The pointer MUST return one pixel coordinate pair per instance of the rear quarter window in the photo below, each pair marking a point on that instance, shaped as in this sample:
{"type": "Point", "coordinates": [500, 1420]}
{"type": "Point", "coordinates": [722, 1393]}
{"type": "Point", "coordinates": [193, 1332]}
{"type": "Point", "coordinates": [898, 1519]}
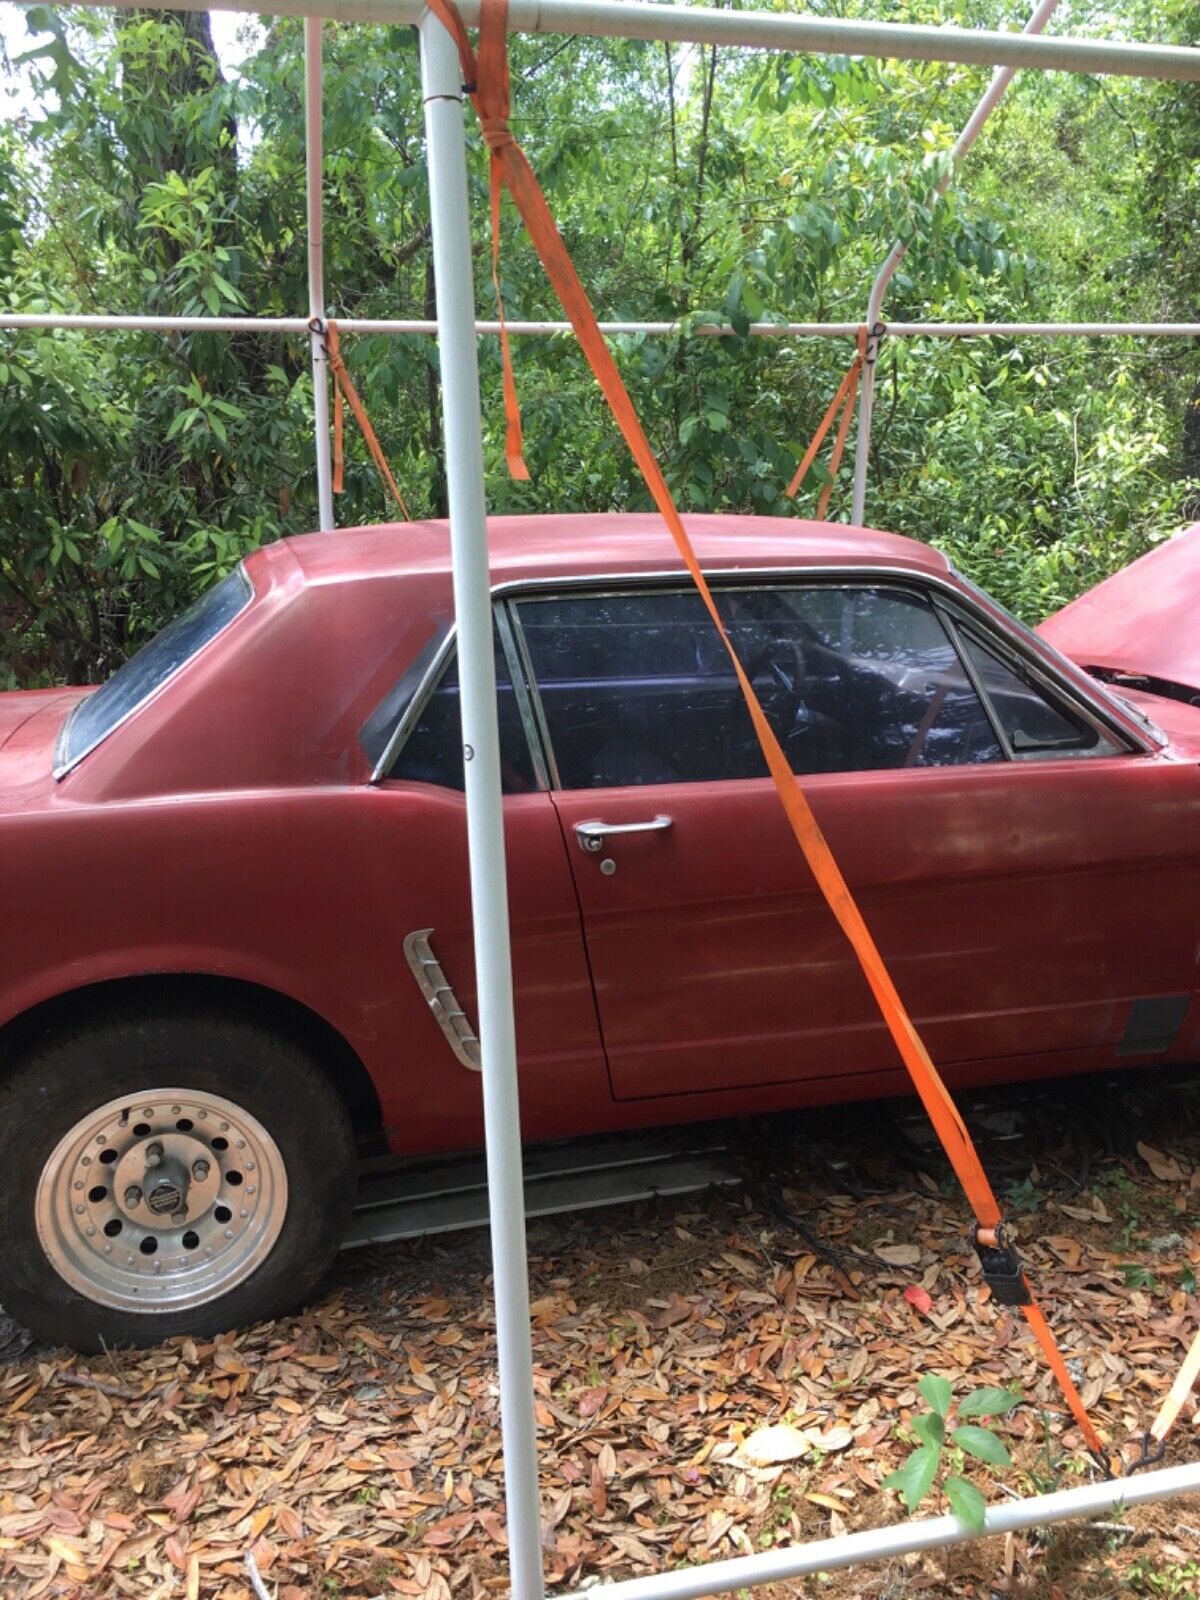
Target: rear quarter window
{"type": "Point", "coordinates": [145, 673]}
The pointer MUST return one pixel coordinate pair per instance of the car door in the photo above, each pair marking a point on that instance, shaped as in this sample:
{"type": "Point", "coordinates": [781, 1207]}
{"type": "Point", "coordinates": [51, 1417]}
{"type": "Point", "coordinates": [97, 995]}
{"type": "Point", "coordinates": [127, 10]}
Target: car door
{"type": "Point", "coordinates": [1014, 888]}
{"type": "Point", "coordinates": [424, 897]}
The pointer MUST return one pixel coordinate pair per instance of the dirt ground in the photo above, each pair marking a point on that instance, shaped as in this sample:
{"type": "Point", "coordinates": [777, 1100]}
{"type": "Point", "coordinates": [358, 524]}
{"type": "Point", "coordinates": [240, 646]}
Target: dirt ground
{"type": "Point", "coordinates": [355, 1448]}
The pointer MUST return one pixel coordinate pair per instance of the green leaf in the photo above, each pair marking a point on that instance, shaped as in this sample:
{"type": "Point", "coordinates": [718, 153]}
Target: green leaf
{"type": "Point", "coordinates": [981, 1442]}
{"type": "Point", "coordinates": [929, 1428]}
{"type": "Point", "coordinates": [914, 1479]}
{"type": "Point", "coordinates": [966, 1502]}
{"type": "Point", "coordinates": [936, 1391]}
{"type": "Point", "coordinates": [990, 1402]}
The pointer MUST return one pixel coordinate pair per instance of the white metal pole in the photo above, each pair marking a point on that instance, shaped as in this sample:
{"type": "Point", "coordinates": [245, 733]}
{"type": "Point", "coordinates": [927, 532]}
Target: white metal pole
{"type": "Point", "coordinates": [761, 30]}
{"type": "Point", "coordinates": [441, 78]}
{"type": "Point", "coordinates": [877, 1544]}
{"type": "Point", "coordinates": [314, 162]}
{"type": "Point", "coordinates": [992, 97]}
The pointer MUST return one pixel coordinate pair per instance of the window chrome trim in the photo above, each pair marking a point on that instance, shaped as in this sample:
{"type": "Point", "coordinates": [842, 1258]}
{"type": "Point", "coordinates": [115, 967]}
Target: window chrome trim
{"type": "Point", "coordinates": [1001, 648]}
{"type": "Point", "coordinates": [432, 677]}
{"type": "Point", "coordinates": [1095, 704]}
{"type": "Point", "coordinates": [411, 714]}
{"type": "Point", "coordinates": [946, 618]}
{"type": "Point", "coordinates": [61, 767]}
{"type": "Point", "coordinates": [534, 691]}
{"type": "Point", "coordinates": [1028, 643]}
{"type": "Point", "coordinates": [539, 746]}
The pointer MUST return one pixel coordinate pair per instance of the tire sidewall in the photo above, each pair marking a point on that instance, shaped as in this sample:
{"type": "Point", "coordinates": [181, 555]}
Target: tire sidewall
{"type": "Point", "coordinates": [268, 1076]}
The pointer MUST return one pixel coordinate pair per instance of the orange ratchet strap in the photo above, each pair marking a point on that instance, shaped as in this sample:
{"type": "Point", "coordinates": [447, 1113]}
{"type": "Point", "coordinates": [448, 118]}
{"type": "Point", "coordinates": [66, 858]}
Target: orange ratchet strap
{"type": "Point", "coordinates": [487, 81]}
{"type": "Point", "coordinates": [343, 384]}
{"type": "Point", "coordinates": [843, 400]}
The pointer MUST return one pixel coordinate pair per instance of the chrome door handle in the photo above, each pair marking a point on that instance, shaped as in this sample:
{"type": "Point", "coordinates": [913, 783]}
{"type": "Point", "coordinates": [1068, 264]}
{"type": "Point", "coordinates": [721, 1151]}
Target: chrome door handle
{"type": "Point", "coordinates": [591, 835]}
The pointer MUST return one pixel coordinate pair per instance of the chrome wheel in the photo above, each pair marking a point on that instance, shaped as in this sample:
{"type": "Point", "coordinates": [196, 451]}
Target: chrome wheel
{"type": "Point", "coordinates": [161, 1201]}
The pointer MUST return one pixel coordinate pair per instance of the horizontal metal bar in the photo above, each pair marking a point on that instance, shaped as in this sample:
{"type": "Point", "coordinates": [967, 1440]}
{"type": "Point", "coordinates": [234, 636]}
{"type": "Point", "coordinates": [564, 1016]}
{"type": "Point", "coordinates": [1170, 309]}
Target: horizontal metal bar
{"type": "Point", "coordinates": [52, 319]}
{"type": "Point", "coordinates": [876, 1544]}
{"type": "Point", "coordinates": [1043, 330]}
{"type": "Point", "coordinates": [760, 30]}
{"type": "Point", "coordinates": [762, 330]}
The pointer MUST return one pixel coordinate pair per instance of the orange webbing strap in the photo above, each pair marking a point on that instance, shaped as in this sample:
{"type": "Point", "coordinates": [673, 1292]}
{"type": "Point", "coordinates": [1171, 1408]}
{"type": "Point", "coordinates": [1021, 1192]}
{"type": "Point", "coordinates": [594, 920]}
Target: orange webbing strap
{"type": "Point", "coordinates": [493, 66]}
{"type": "Point", "coordinates": [491, 101]}
{"type": "Point", "coordinates": [343, 384]}
{"type": "Point", "coordinates": [843, 400]}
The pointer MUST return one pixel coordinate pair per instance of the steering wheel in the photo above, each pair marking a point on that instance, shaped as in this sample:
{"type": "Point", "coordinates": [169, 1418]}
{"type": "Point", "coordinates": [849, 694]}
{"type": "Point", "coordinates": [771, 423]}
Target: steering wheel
{"type": "Point", "coordinates": [783, 697]}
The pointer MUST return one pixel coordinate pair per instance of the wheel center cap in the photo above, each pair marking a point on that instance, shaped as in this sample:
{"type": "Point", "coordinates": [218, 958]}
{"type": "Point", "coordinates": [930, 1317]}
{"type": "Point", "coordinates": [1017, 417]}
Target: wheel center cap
{"type": "Point", "coordinates": [166, 1180]}
{"type": "Point", "coordinates": [165, 1198]}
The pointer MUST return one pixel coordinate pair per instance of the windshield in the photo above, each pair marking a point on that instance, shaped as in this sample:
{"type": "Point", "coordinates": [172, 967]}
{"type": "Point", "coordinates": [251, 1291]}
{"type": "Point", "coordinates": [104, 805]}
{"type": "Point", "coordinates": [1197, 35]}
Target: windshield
{"type": "Point", "coordinates": [132, 685]}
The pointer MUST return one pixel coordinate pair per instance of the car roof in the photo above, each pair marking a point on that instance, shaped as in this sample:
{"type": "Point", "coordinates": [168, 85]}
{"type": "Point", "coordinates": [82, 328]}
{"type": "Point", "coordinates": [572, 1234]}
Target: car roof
{"type": "Point", "coordinates": [596, 544]}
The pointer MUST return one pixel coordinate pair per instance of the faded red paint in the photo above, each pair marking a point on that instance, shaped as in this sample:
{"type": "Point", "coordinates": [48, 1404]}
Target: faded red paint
{"type": "Point", "coordinates": [229, 828]}
{"type": "Point", "coordinates": [1143, 620]}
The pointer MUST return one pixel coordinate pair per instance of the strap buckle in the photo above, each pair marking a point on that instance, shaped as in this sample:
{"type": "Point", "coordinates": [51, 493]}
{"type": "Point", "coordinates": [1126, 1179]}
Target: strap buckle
{"type": "Point", "coordinates": [1002, 1269]}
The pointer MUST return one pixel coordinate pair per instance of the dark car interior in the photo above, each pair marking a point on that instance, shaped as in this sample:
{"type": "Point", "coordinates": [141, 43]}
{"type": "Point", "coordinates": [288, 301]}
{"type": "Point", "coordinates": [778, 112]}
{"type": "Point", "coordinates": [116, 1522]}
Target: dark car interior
{"type": "Point", "coordinates": [637, 688]}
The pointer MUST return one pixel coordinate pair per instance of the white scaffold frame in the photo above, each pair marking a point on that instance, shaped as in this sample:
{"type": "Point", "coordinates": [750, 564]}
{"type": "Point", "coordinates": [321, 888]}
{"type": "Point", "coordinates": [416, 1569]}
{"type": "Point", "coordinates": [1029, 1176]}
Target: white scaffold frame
{"type": "Point", "coordinates": [457, 332]}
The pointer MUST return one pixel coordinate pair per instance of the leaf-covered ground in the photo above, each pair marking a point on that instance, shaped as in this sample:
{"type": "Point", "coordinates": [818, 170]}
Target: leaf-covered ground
{"type": "Point", "coordinates": [355, 1448]}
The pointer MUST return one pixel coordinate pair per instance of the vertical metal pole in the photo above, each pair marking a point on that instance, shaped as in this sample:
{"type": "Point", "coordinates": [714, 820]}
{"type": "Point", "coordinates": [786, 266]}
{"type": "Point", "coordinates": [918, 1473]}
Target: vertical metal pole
{"type": "Point", "coordinates": [441, 78]}
{"type": "Point", "coordinates": [992, 97]}
{"type": "Point", "coordinates": [313, 172]}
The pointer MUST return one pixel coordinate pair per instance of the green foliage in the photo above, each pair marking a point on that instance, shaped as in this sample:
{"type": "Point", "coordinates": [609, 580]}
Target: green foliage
{"type": "Point", "coordinates": [707, 187]}
{"type": "Point", "coordinates": [937, 1448]}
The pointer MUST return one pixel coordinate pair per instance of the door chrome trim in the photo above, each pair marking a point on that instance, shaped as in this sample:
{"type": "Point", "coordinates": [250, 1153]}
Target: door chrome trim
{"type": "Point", "coordinates": [1002, 627]}
{"type": "Point", "coordinates": [443, 1002]}
{"type": "Point", "coordinates": [544, 771]}
{"type": "Point", "coordinates": [1036, 654]}
{"type": "Point", "coordinates": [412, 712]}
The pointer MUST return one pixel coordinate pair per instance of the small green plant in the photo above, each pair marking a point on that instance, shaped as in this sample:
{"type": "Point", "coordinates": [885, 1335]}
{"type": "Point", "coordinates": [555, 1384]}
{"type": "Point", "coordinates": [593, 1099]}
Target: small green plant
{"type": "Point", "coordinates": [915, 1479]}
{"type": "Point", "coordinates": [1164, 1583]}
{"type": "Point", "coordinates": [1023, 1197]}
{"type": "Point", "coordinates": [1136, 1276]}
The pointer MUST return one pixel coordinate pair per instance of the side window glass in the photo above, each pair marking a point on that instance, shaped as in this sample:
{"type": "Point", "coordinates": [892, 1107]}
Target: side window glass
{"type": "Point", "coordinates": [1033, 724]}
{"type": "Point", "coordinates": [637, 688]}
{"type": "Point", "coordinates": [432, 753]}
{"type": "Point", "coordinates": [858, 679]}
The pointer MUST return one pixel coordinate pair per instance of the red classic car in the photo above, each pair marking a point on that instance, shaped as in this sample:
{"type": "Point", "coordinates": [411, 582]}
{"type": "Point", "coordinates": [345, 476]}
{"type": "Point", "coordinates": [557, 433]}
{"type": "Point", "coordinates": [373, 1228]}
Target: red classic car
{"type": "Point", "coordinates": [236, 942]}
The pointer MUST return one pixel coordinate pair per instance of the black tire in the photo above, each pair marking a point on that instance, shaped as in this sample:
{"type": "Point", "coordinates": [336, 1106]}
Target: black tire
{"type": "Point", "coordinates": [266, 1074]}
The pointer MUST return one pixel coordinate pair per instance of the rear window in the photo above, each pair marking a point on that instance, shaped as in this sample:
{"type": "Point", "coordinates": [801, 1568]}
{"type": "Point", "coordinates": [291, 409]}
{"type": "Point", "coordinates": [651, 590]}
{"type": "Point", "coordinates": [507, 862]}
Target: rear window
{"type": "Point", "coordinates": [132, 685]}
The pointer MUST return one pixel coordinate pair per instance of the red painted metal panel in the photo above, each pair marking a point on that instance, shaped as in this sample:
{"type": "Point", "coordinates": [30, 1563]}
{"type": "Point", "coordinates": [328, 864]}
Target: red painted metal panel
{"type": "Point", "coordinates": [1142, 620]}
{"type": "Point", "coordinates": [228, 827]}
{"type": "Point", "coordinates": [1020, 907]}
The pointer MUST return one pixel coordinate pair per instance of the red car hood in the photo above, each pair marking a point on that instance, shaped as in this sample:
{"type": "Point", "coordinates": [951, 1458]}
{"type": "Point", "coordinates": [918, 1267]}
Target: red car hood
{"type": "Point", "coordinates": [1143, 623]}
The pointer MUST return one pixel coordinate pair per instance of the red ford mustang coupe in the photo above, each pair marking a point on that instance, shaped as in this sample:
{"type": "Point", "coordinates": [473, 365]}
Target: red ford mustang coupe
{"type": "Point", "coordinates": [236, 921]}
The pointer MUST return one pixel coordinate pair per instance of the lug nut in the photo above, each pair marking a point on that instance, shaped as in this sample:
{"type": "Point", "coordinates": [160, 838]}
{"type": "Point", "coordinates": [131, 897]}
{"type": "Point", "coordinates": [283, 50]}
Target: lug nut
{"type": "Point", "coordinates": [200, 1170]}
{"type": "Point", "coordinates": [133, 1197]}
{"type": "Point", "coordinates": [154, 1154]}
